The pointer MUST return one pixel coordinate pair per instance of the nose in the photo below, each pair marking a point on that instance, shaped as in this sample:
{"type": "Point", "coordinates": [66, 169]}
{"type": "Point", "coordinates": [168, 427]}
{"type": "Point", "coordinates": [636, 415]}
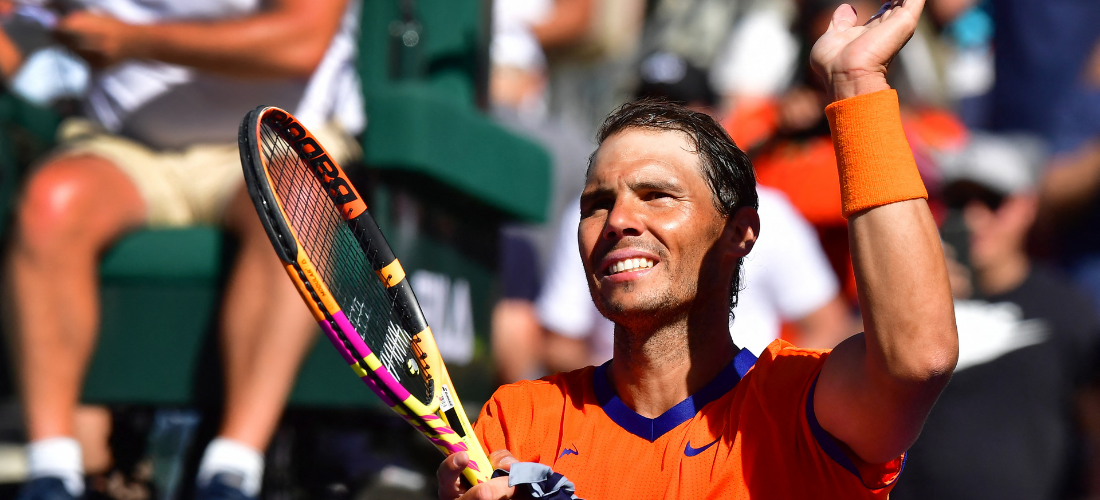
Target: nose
{"type": "Point", "coordinates": [623, 221]}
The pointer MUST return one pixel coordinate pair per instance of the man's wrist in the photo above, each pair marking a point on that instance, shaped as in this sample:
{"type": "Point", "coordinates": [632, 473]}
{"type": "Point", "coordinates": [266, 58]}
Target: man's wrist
{"type": "Point", "coordinates": [843, 86]}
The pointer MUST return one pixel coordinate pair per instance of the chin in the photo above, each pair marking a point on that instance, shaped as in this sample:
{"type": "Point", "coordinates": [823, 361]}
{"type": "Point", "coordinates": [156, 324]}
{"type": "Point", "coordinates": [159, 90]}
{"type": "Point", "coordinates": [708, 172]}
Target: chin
{"type": "Point", "coordinates": [634, 308]}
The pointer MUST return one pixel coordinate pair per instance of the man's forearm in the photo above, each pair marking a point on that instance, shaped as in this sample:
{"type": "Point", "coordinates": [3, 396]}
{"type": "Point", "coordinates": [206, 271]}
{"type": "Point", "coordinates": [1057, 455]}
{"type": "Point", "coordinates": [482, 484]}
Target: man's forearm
{"type": "Point", "coordinates": [287, 41]}
{"type": "Point", "coordinates": [1070, 184]}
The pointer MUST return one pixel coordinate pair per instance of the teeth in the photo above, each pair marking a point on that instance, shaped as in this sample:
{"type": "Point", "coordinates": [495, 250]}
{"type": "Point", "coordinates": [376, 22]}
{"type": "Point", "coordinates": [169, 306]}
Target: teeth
{"type": "Point", "coordinates": [630, 265]}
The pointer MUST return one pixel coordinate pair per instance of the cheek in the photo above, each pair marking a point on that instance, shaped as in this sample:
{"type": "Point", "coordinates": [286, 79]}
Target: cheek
{"type": "Point", "coordinates": [588, 234]}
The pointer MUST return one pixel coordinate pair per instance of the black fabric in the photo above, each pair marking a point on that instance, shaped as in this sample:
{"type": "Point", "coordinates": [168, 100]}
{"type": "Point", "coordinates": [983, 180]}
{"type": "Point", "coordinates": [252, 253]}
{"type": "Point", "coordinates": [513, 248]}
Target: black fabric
{"type": "Point", "coordinates": [519, 267]}
{"type": "Point", "coordinates": [1004, 428]}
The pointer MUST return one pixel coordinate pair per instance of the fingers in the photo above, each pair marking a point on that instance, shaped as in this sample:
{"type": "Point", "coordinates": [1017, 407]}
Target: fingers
{"type": "Point", "coordinates": [886, 6]}
{"type": "Point", "coordinates": [494, 489]}
{"type": "Point", "coordinates": [892, 7]}
{"type": "Point", "coordinates": [844, 17]}
{"type": "Point", "coordinates": [502, 459]}
{"type": "Point", "coordinates": [448, 475]}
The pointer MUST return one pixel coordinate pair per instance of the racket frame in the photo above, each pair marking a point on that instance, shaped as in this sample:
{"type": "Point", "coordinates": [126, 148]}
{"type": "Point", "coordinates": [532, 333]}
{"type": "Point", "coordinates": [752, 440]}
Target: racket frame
{"type": "Point", "coordinates": [448, 429]}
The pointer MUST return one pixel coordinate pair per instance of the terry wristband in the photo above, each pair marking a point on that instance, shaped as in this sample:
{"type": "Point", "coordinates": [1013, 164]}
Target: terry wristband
{"type": "Point", "coordinates": [874, 161]}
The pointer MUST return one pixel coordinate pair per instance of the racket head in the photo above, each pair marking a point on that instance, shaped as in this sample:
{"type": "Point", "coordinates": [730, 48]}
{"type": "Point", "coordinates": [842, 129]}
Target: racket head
{"type": "Point", "coordinates": [314, 218]}
{"type": "Point", "coordinates": [338, 259]}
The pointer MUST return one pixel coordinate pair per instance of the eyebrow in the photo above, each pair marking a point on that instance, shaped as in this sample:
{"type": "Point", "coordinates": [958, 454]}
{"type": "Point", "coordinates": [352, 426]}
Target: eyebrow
{"type": "Point", "coordinates": [655, 185]}
{"type": "Point", "coordinates": [646, 185]}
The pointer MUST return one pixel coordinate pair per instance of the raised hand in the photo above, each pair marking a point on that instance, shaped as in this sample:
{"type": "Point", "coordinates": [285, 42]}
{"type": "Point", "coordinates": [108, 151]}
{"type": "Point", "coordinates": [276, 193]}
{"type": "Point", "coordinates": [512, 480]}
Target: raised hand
{"type": "Point", "coordinates": [853, 59]}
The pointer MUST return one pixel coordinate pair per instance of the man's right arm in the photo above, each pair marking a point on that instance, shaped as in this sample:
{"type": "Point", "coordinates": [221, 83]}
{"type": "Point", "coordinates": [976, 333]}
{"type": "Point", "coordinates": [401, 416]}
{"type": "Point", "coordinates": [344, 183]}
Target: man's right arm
{"type": "Point", "coordinates": [875, 390]}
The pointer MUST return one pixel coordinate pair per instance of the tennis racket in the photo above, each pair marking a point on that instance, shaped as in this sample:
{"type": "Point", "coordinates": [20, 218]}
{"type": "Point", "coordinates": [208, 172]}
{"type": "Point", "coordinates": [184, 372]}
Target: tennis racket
{"type": "Point", "coordinates": [347, 274]}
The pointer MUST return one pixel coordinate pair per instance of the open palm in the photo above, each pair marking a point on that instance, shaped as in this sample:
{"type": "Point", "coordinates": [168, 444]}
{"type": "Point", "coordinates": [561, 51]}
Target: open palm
{"type": "Point", "coordinates": [853, 59]}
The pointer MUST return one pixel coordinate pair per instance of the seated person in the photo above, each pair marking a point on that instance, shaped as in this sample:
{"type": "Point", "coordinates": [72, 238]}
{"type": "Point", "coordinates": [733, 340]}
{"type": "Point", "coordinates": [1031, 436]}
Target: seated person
{"type": "Point", "coordinates": [667, 214]}
{"type": "Point", "coordinates": [171, 81]}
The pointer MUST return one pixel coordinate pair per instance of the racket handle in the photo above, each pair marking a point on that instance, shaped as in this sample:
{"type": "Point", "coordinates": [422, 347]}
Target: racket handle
{"type": "Point", "coordinates": [484, 470]}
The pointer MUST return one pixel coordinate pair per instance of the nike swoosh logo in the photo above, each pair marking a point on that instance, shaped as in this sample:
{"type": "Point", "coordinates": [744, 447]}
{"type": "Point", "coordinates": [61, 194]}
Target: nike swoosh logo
{"type": "Point", "coordinates": [988, 331]}
{"type": "Point", "coordinates": [691, 452]}
{"type": "Point", "coordinates": [569, 451]}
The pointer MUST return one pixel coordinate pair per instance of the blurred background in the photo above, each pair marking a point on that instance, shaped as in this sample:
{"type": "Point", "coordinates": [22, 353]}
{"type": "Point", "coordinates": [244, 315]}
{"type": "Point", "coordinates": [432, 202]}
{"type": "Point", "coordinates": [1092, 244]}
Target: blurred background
{"type": "Point", "coordinates": [468, 125]}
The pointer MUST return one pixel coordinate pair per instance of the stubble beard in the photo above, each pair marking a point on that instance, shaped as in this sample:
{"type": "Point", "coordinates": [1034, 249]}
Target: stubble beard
{"type": "Point", "coordinates": [649, 312]}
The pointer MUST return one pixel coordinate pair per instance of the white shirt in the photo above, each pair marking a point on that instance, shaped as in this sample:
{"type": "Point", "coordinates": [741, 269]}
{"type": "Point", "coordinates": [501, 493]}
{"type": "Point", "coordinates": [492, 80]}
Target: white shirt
{"type": "Point", "coordinates": [785, 277]}
{"type": "Point", "coordinates": [169, 106]}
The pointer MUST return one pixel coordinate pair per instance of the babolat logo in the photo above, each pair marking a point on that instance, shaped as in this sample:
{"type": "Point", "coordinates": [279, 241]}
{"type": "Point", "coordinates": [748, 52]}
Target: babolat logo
{"type": "Point", "coordinates": [309, 151]}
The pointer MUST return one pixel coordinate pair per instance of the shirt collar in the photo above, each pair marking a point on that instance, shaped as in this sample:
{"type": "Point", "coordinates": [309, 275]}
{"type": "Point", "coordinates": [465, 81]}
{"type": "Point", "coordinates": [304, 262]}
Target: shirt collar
{"type": "Point", "coordinates": [652, 428]}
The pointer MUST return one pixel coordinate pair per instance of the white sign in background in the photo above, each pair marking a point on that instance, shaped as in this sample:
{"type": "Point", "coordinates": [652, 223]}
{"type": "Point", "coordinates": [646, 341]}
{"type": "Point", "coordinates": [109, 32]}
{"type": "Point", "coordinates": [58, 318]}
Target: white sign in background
{"type": "Point", "coordinates": [449, 312]}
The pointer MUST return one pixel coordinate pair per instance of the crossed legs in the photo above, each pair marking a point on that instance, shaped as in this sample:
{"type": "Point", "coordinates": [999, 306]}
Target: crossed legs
{"type": "Point", "coordinates": [73, 209]}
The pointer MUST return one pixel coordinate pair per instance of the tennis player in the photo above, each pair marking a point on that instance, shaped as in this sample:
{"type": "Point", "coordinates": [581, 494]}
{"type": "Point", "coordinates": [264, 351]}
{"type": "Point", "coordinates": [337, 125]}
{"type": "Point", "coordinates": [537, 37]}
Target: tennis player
{"type": "Point", "coordinates": [667, 213]}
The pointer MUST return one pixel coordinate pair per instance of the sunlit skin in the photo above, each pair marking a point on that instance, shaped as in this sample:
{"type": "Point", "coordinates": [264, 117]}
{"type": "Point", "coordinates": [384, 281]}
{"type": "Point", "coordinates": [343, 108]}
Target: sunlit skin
{"type": "Point", "coordinates": [646, 197]}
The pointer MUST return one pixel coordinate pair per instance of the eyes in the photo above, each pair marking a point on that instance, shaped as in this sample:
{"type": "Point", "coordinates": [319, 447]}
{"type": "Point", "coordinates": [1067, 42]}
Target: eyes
{"type": "Point", "coordinates": [597, 202]}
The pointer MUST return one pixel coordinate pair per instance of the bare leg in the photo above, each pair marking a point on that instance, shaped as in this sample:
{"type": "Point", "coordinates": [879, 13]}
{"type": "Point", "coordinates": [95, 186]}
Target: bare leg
{"type": "Point", "coordinates": [71, 210]}
{"type": "Point", "coordinates": [93, 430]}
{"type": "Point", "coordinates": [266, 333]}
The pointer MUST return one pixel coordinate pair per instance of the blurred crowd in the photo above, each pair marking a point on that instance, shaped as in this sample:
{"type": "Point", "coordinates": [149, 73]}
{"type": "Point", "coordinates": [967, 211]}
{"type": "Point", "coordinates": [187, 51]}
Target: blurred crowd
{"type": "Point", "coordinates": [1001, 102]}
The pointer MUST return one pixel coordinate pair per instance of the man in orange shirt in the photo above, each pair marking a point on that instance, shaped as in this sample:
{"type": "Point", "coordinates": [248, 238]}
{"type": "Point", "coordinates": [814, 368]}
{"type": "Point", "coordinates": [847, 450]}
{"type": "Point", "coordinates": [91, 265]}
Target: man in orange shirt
{"type": "Point", "coordinates": [667, 214]}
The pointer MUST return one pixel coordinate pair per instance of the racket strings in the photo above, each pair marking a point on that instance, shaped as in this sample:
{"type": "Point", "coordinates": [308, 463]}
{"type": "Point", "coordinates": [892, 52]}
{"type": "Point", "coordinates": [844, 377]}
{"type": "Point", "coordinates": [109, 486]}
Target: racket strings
{"type": "Point", "coordinates": [371, 251]}
{"type": "Point", "coordinates": [344, 266]}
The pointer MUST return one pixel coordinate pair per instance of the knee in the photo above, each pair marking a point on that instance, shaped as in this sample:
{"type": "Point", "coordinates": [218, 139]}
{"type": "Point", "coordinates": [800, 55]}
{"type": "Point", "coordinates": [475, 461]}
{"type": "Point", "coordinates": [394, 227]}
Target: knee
{"type": "Point", "coordinates": [60, 206]}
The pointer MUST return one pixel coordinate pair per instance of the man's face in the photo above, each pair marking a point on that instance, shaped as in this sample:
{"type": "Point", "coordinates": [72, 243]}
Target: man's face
{"type": "Point", "coordinates": [651, 238]}
{"type": "Point", "coordinates": [998, 234]}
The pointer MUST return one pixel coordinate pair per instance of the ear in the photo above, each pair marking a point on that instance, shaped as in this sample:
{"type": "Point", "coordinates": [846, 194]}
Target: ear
{"type": "Point", "coordinates": [741, 231]}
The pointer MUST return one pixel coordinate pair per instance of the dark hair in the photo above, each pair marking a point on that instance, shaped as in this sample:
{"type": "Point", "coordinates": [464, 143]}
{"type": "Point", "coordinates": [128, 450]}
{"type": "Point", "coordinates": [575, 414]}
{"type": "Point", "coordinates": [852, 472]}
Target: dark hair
{"type": "Point", "coordinates": [727, 170]}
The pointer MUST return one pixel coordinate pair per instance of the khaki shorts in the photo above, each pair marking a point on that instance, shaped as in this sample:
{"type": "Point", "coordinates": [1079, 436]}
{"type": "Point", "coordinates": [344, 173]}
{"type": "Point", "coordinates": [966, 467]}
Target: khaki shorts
{"type": "Point", "coordinates": [181, 187]}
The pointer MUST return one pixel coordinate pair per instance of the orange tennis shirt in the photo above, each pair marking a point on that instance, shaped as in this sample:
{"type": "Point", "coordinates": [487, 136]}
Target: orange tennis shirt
{"type": "Point", "coordinates": [749, 433]}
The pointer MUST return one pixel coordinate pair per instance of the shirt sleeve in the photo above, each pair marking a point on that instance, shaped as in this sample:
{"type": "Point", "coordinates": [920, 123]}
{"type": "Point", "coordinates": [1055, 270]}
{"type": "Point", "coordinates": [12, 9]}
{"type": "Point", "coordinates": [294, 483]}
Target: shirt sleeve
{"type": "Point", "coordinates": [506, 420]}
{"type": "Point", "coordinates": [784, 371]}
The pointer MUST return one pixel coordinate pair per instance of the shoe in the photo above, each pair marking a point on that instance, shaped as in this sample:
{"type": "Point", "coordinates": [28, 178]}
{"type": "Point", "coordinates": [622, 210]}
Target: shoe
{"type": "Point", "coordinates": [223, 486]}
{"type": "Point", "coordinates": [44, 488]}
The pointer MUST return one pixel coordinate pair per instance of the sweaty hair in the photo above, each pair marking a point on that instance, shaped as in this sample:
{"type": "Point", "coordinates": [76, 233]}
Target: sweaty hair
{"type": "Point", "coordinates": [727, 170]}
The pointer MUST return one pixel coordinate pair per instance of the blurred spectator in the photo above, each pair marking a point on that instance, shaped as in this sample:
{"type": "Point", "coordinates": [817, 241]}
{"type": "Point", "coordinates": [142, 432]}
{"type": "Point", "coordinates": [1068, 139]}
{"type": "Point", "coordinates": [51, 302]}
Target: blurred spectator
{"type": "Point", "coordinates": [1028, 343]}
{"type": "Point", "coordinates": [786, 278]}
{"type": "Point", "coordinates": [517, 93]}
{"type": "Point", "coordinates": [170, 84]}
{"type": "Point", "coordinates": [1047, 82]}
{"type": "Point", "coordinates": [791, 148]}
{"type": "Point", "coordinates": [743, 49]}
{"type": "Point", "coordinates": [590, 45]}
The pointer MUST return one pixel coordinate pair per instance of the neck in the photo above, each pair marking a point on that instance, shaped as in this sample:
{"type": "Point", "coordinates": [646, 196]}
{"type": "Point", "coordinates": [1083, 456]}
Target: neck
{"type": "Point", "coordinates": [656, 368]}
{"type": "Point", "coordinates": [1004, 275]}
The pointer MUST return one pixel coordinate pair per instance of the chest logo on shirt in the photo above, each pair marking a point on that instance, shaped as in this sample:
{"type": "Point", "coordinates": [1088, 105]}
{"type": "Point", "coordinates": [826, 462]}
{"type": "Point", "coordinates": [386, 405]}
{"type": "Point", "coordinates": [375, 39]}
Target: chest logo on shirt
{"type": "Point", "coordinates": [691, 452]}
{"type": "Point", "coordinates": [572, 450]}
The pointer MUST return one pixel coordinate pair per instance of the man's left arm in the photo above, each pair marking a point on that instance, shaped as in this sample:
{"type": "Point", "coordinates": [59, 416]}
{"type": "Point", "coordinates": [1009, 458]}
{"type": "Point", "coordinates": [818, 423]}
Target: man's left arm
{"type": "Point", "coordinates": [876, 389]}
{"type": "Point", "coordinates": [286, 39]}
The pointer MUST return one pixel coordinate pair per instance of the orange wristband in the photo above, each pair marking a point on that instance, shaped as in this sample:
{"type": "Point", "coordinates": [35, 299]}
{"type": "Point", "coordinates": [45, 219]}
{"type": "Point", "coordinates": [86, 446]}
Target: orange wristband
{"type": "Point", "coordinates": [873, 157]}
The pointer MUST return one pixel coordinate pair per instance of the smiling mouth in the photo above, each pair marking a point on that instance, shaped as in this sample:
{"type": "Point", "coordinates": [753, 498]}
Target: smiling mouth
{"type": "Point", "coordinates": [627, 265]}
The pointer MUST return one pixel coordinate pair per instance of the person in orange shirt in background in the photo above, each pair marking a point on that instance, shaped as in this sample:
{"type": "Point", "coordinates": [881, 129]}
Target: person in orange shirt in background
{"type": "Point", "coordinates": [667, 214]}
